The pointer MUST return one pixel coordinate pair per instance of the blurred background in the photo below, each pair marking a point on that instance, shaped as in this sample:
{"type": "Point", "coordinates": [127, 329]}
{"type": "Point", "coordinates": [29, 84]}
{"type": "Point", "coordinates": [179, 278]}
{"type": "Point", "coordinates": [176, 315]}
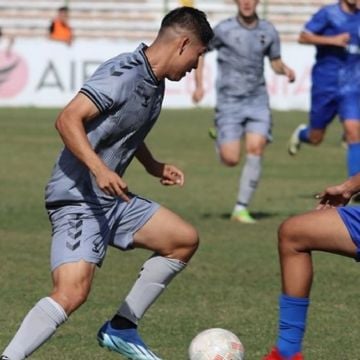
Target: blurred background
{"type": "Point", "coordinates": [36, 71]}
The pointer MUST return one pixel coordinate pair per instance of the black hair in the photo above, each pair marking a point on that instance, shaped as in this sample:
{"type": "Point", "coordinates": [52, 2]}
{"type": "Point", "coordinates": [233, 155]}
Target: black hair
{"type": "Point", "coordinates": [190, 19]}
{"type": "Point", "coordinates": [63, 8]}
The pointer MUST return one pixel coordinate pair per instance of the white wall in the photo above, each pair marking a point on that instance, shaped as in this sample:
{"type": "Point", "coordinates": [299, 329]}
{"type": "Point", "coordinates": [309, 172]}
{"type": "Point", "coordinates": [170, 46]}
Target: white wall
{"type": "Point", "coordinates": [46, 74]}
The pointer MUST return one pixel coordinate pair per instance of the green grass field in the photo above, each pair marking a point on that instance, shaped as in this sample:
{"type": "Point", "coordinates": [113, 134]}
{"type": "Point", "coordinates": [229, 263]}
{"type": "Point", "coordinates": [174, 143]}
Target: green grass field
{"type": "Point", "coordinates": [232, 282]}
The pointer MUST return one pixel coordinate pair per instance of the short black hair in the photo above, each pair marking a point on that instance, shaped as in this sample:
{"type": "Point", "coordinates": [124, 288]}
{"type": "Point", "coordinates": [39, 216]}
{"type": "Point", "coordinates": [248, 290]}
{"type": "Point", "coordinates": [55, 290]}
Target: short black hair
{"type": "Point", "coordinates": [191, 19]}
{"type": "Point", "coordinates": [63, 8]}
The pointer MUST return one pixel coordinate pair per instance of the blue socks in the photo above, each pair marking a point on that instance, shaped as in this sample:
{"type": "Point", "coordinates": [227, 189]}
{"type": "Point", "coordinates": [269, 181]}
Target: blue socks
{"type": "Point", "coordinates": [353, 159]}
{"type": "Point", "coordinates": [292, 323]}
{"type": "Point", "coordinates": [304, 135]}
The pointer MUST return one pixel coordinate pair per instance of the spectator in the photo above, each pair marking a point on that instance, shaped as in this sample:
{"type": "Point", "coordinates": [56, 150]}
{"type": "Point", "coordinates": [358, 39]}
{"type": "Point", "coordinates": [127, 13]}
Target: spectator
{"type": "Point", "coordinates": [60, 29]}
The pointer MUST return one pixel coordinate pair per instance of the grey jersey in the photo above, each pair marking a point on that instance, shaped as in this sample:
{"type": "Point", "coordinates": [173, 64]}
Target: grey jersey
{"type": "Point", "coordinates": [129, 99]}
{"type": "Point", "coordinates": [241, 53]}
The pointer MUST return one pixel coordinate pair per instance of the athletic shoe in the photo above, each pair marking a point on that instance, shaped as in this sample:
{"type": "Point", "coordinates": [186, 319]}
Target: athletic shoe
{"type": "Point", "coordinates": [294, 141]}
{"type": "Point", "coordinates": [3, 357]}
{"type": "Point", "coordinates": [212, 133]}
{"type": "Point", "coordinates": [242, 216]}
{"type": "Point", "coordinates": [126, 342]}
{"type": "Point", "coordinates": [275, 355]}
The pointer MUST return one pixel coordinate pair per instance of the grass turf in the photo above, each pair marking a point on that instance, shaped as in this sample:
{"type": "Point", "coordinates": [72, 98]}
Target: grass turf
{"type": "Point", "coordinates": [232, 282]}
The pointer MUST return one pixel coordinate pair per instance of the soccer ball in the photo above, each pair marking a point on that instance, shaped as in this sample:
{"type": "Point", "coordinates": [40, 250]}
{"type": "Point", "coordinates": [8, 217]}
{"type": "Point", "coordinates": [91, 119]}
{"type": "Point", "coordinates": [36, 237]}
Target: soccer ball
{"type": "Point", "coordinates": [216, 344]}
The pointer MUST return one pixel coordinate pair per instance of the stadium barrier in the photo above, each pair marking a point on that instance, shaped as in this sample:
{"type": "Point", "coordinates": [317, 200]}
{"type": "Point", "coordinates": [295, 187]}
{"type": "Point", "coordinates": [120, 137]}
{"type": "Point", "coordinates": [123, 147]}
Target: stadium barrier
{"type": "Point", "coordinates": [42, 73]}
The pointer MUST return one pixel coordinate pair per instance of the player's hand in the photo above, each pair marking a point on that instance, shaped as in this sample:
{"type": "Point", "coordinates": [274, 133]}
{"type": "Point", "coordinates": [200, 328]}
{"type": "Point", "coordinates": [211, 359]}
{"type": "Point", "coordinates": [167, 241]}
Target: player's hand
{"type": "Point", "coordinates": [334, 196]}
{"type": "Point", "coordinates": [198, 94]}
{"type": "Point", "coordinates": [171, 175]}
{"type": "Point", "coordinates": [112, 184]}
{"type": "Point", "coordinates": [290, 74]}
{"type": "Point", "coordinates": [341, 40]}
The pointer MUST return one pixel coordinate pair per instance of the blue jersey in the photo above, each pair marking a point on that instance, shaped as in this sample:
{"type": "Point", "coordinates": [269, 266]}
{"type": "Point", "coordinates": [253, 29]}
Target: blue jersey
{"type": "Point", "coordinates": [336, 66]}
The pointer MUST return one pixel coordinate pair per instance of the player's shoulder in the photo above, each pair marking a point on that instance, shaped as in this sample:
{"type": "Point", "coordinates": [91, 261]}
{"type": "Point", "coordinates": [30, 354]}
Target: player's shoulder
{"type": "Point", "coordinates": [126, 65]}
{"type": "Point", "coordinates": [267, 26]}
{"type": "Point", "coordinates": [329, 9]}
{"type": "Point", "coordinates": [226, 24]}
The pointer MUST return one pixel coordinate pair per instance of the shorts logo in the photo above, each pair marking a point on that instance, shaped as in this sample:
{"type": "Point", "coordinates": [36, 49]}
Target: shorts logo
{"type": "Point", "coordinates": [13, 74]}
{"type": "Point", "coordinates": [74, 233]}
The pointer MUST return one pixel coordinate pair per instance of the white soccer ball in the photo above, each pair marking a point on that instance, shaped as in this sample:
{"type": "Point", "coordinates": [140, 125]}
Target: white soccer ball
{"type": "Point", "coordinates": [216, 344]}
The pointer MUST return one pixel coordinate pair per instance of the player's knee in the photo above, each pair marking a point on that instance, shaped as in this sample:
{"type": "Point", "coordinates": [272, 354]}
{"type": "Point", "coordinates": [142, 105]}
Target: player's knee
{"type": "Point", "coordinates": [229, 160]}
{"type": "Point", "coordinates": [286, 237]}
{"type": "Point", "coordinates": [71, 298]}
{"type": "Point", "coordinates": [191, 238]}
{"type": "Point", "coordinates": [187, 243]}
{"type": "Point", "coordinates": [316, 139]}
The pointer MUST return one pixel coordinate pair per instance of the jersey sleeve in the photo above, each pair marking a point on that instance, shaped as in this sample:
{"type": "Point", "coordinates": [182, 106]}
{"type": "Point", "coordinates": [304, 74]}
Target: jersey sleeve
{"type": "Point", "coordinates": [108, 87]}
{"type": "Point", "coordinates": [318, 22]}
{"type": "Point", "coordinates": [274, 50]}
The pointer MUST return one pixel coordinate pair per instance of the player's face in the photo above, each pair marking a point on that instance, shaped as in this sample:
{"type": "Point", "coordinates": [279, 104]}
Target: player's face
{"type": "Point", "coordinates": [247, 8]}
{"type": "Point", "coordinates": [187, 59]}
{"type": "Point", "coordinates": [352, 4]}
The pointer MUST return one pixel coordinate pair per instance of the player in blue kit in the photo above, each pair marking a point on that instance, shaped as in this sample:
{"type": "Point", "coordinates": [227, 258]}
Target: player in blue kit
{"type": "Point", "coordinates": [335, 31]}
{"type": "Point", "coordinates": [332, 227]}
{"type": "Point", "coordinates": [242, 106]}
{"type": "Point", "coordinates": [88, 201]}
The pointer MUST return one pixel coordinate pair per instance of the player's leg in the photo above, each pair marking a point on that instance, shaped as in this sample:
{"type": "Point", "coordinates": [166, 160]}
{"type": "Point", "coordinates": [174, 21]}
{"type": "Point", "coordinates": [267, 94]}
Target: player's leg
{"type": "Point", "coordinates": [323, 110]}
{"type": "Point", "coordinates": [322, 230]}
{"type": "Point", "coordinates": [257, 134]}
{"type": "Point", "coordinates": [74, 252]}
{"type": "Point", "coordinates": [250, 176]}
{"type": "Point", "coordinates": [349, 111]}
{"type": "Point", "coordinates": [71, 286]}
{"type": "Point", "coordinates": [173, 241]}
{"type": "Point", "coordinates": [352, 136]}
{"type": "Point", "coordinates": [229, 152]}
{"type": "Point", "coordinates": [229, 131]}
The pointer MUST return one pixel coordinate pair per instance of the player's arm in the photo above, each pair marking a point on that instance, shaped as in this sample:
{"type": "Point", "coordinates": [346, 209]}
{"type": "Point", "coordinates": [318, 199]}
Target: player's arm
{"type": "Point", "coordinates": [309, 38]}
{"type": "Point", "coordinates": [339, 195]}
{"type": "Point", "coordinates": [168, 174]}
{"type": "Point", "coordinates": [70, 125]}
{"type": "Point", "coordinates": [281, 68]}
{"type": "Point", "coordinates": [199, 92]}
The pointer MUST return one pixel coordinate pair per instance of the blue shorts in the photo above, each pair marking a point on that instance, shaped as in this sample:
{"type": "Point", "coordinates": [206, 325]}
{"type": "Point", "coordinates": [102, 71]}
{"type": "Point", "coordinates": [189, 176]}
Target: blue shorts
{"type": "Point", "coordinates": [350, 215]}
{"type": "Point", "coordinates": [326, 104]}
{"type": "Point", "coordinates": [83, 232]}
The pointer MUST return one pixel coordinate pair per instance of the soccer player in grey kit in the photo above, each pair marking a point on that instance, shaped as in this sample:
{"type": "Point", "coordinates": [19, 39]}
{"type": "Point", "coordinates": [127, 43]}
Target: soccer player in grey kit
{"type": "Point", "coordinates": [242, 109]}
{"type": "Point", "coordinates": [89, 204]}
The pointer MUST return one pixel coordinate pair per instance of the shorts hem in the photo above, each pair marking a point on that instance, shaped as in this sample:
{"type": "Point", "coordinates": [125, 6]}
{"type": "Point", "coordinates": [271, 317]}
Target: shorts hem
{"type": "Point", "coordinates": [97, 262]}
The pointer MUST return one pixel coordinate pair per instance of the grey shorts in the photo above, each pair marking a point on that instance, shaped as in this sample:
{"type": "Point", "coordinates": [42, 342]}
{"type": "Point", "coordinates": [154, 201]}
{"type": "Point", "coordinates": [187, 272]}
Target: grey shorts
{"type": "Point", "coordinates": [236, 117]}
{"type": "Point", "coordinates": [83, 232]}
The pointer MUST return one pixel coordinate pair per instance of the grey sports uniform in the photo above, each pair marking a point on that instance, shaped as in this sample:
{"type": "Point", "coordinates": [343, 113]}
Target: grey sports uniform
{"type": "Point", "coordinates": [84, 219]}
{"type": "Point", "coordinates": [242, 100]}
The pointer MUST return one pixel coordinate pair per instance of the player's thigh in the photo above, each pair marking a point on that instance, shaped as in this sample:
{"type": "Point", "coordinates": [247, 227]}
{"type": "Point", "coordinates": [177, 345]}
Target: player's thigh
{"type": "Point", "coordinates": [349, 105]}
{"type": "Point", "coordinates": [352, 130]}
{"type": "Point", "coordinates": [165, 232]}
{"type": "Point", "coordinates": [322, 230]}
{"type": "Point", "coordinates": [229, 152]}
{"type": "Point", "coordinates": [78, 233]}
{"type": "Point", "coordinates": [324, 107]}
{"type": "Point", "coordinates": [74, 277]}
{"type": "Point", "coordinates": [258, 126]}
{"type": "Point", "coordinates": [230, 128]}
{"type": "Point", "coordinates": [255, 143]}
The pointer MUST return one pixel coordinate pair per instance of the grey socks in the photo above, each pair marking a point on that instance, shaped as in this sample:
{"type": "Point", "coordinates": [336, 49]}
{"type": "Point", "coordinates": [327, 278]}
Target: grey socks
{"type": "Point", "coordinates": [249, 179]}
{"type": "Point", "coordinates": [154, 276]}
{"type": "Point", "coordinates": [38, 326]}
